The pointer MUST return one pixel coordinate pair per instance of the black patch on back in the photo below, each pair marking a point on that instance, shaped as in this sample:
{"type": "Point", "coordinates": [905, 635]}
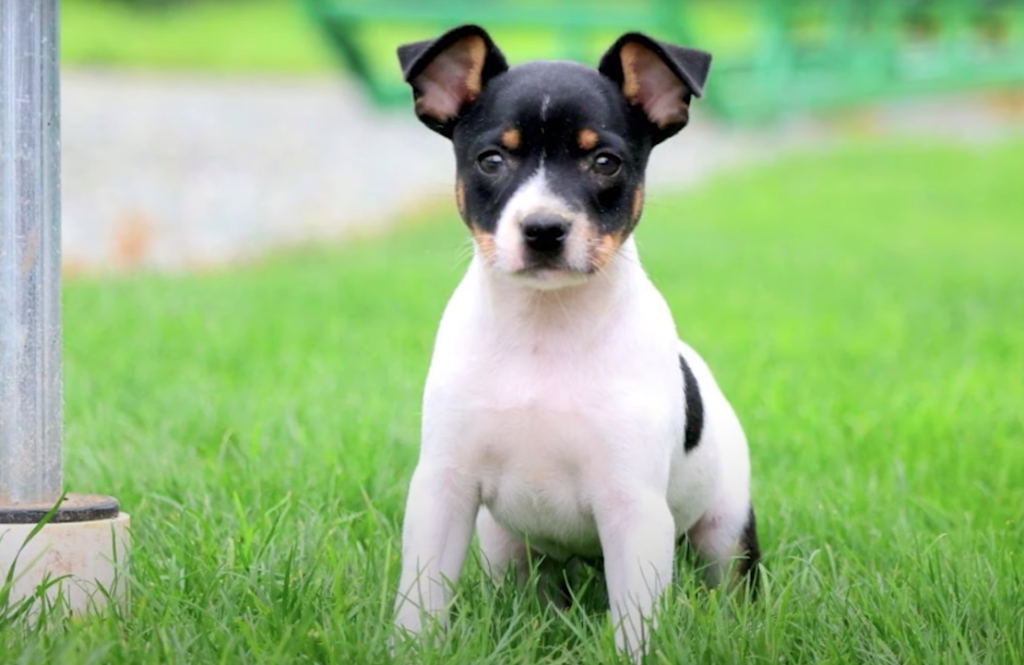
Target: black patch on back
{"type": "Point", "coordinates": [751, 550]}
{"type": "Point", "coordinates": [694, 407]}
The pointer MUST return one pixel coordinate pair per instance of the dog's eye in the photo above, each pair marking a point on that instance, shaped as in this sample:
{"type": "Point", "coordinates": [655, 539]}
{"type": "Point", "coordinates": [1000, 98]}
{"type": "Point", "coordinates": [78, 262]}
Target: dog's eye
{"type": "Point", "coordinates": [491, 162]}
{"type": "Point", "coordinates": [606, 164]}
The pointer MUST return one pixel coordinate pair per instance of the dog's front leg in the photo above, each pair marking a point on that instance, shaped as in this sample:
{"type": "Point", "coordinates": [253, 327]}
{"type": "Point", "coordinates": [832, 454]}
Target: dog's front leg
{"type": "Point", "coordinates": [439, 515]}
{"type": "Point", "coordinates": [637, 537]}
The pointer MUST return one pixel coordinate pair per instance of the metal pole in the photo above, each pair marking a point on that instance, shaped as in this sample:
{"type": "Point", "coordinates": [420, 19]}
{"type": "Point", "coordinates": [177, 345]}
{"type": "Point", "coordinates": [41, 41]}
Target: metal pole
{"type": "Point", "coordinates": [30, 330]}
{"type": "Point", "coordinates": [86, 538]}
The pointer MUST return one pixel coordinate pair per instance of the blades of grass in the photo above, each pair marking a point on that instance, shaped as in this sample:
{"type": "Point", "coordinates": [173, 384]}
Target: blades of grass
{"type": "Point", "coordinates": [7, 614]}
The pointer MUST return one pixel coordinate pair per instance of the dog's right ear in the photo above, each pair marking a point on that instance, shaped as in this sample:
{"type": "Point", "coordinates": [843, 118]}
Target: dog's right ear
{"type": "Point", "coordinates": [448, 73]}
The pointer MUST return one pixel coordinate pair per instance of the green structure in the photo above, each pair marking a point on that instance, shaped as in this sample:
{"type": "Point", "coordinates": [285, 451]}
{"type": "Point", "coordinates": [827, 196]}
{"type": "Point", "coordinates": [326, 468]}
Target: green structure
{"type": "Point", "coordinates": [770, 55]}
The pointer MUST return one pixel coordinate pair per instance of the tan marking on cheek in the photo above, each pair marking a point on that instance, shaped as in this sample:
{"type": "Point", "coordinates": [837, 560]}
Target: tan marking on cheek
{"type": "Point", "coordinates": [460, 197]}
{"type": "Point", "coordinates": [587, 139]}
{"type": "Point", "coordinates": [485, 242]}
{"type": "Point", "coordinates": [511, 138]}
{"type": "Point", "coordinates": [638, 203]}
{"type": "Point", "coordinates": [605, 248]}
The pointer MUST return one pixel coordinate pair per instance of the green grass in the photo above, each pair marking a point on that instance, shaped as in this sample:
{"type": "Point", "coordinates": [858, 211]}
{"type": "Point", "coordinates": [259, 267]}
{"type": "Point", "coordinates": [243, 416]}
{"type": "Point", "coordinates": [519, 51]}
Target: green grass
{"type": "Point", "coordinates": [269, 36]}
{"type": "Point", "coordinates": [863, 310]}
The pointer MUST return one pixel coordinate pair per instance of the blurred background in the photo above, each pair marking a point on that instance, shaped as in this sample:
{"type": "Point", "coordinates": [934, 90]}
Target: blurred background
{"type": "Point", "coordinates": [839, 231]}
{"type": "Point", "coordinates": [202, 132]}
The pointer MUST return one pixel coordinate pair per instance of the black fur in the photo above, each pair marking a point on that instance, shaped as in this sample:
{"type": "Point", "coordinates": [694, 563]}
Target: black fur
{"type": "Point", "coordinates": [751, 550]}
{"type": "Point", "coordinates": [549, 104]}
{"type": "Point", "coordinates": [694, 408]}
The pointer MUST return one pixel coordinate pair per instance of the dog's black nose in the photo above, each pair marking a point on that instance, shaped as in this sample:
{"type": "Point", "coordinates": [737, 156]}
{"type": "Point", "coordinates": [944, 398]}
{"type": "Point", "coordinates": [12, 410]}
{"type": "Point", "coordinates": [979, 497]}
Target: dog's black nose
{"type": "Point", "coordinates": [545, 234]}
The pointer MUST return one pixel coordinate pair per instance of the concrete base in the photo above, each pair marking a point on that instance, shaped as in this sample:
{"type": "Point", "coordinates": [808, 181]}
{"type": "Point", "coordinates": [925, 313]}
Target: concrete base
{"type": "Point", "coordinates": [86, 560]}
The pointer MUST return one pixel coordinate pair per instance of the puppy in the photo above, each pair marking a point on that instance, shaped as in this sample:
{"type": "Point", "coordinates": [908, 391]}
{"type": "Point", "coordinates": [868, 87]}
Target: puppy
{"type": "Point", "coordinates": [562, 416]}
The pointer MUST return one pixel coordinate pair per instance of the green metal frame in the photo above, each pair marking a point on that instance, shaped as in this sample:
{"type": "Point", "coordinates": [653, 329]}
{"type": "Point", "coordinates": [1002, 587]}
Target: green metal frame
{"type": "Point", "coordinates": [805, 54]}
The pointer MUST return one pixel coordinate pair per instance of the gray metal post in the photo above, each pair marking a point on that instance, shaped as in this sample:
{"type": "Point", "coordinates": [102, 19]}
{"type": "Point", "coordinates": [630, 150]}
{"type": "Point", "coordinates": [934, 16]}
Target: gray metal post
{"type": "Point", "coordinates": [30, 329]}
{"type": "Point", "coordinates": [85, 541]}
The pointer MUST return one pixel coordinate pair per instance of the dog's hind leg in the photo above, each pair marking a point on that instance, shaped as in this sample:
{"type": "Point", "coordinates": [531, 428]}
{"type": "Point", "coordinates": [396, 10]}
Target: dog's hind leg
{"type": "Point", "coordinates": [728, 540]}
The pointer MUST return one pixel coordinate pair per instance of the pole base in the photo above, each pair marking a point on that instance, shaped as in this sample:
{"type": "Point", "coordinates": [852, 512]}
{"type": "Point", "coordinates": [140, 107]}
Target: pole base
{"type": "Point", "coordinates": [81, 555]}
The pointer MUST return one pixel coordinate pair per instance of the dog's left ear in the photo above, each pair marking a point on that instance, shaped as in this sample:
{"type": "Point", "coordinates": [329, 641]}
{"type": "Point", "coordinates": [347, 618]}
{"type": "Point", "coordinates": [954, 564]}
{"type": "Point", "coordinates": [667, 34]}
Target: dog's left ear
{"type": "Point", "coordinates": [658, 78]}
{"type": "Point", "coordinates": [448, 73]}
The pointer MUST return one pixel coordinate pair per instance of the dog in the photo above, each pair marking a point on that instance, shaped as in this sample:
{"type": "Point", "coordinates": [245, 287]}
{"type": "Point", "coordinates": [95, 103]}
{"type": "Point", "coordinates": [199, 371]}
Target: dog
{"type": "Point", "coordinates": [562, 416]}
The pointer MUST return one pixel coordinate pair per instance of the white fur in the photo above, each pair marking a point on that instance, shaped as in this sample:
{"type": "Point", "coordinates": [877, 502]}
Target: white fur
{"type": "Point", "coordinates": [535, 197]}
{"type": "Point", "coordinates": [558, 416]}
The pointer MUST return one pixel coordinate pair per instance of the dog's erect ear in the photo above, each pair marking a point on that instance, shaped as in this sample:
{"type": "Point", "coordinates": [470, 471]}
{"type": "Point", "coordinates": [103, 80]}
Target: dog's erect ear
{"type": "Point", "coordinates": [657, 77]}
{"type": "Point", "coordinates": [448, 73]}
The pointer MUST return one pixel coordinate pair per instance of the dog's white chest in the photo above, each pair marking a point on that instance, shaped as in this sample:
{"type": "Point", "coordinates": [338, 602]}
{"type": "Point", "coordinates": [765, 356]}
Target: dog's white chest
{"type": "Point", "coordinates": [546, 419]}
{"type": "Point", "coordinates": [539, 444]}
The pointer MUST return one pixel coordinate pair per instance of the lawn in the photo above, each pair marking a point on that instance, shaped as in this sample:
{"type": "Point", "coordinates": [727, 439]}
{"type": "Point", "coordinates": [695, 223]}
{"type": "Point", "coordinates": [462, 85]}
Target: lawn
{"type": "Point", "coordinates": [862, 309]}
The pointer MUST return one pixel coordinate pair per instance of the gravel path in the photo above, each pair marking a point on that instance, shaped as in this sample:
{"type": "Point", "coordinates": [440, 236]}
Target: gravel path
{"type": "Point", "coordinates": [174, 172]}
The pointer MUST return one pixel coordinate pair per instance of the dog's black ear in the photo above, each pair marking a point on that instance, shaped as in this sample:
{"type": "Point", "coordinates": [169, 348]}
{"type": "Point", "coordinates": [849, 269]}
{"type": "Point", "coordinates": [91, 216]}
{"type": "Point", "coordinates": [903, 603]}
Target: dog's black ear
{"type": "Point", "coordinates": [448, 73]}
{"type": "Point", "coordinates": [657, 77]}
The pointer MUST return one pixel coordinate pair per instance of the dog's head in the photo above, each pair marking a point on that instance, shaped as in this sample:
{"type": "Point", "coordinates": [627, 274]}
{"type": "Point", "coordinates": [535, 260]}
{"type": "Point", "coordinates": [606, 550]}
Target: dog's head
{"type": "Point", "coordinates": [550, 156]}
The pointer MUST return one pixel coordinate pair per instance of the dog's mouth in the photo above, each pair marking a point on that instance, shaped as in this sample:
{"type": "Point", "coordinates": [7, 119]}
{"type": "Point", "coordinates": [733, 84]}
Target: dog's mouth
{"type": "Point", "coordinates": [542, 263]}
{"type": "Point", "coordinates": [551, 275]}
{"type": "Point", "coordinates": [551, 272]}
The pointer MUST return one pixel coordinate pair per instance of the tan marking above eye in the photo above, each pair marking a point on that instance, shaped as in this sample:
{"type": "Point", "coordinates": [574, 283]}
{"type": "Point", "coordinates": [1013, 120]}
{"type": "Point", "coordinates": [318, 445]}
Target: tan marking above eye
{"type": "Point", "coordinates": [587, 139]}
{"type": "Point", "coordinates": [510, 138]}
